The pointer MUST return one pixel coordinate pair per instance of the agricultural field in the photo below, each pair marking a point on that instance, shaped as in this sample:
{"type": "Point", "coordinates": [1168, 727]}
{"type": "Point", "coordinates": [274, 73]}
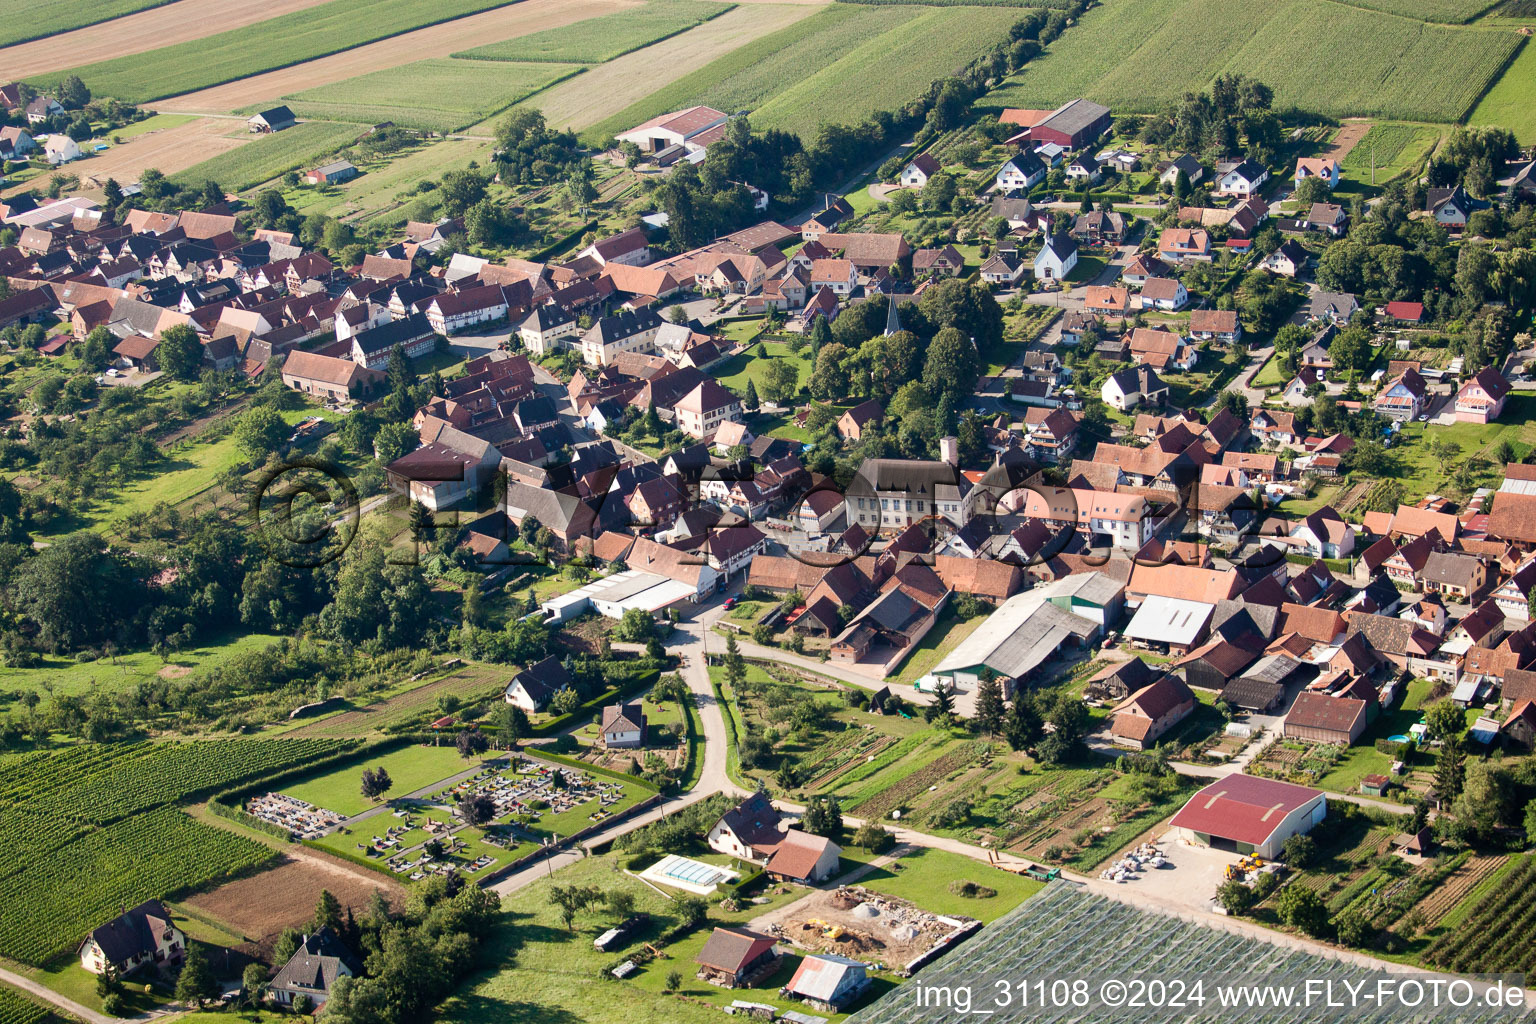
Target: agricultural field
{"type": "Point", "coordinates": [412, 768]}
{"type": "Point", "coordinates": [268, 156]}
{"type": "Point", "coordinates": [1308, 51]}
{"type": "Point", "coordinates": [603, 38]}
{"type": "Point", "coordinates": [586, 101]}
{"type": "Point", "coordinates": [261, 906]}
{"type": "Point", "coordinates": [746, 77]}
{"type": "Point", "coordinates": [24, 20]}
{"type": "Point", "coordinates": [1511, 103]}
{"type": "Point", "coordinates": [277, 42]}
{"type": "Point", "coordinates": [113, 808]}
{"type": "Point", "coordinates": [905, 60]}
{"type": "Point", "coordinates": [1448, 12]}
{"type": "Point", "coordinates": [440, 94]}
{"type": "Point", "coordinates": [16, 1008]}
{"type": "Point", "coordinates": [1392, 148]}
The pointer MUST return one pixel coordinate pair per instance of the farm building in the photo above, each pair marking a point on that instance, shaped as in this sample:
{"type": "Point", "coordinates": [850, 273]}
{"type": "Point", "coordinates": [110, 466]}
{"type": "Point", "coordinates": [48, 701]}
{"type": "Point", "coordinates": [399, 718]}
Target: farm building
{"type": "Point", "coordinates": [1324, 719]}
{"type": "Point", "coordinates": [828, 982]}
{"type": "Point", "coordinates": [736, 957]}
{"type": "Point", "coordinates": [678, 128]}
{"type": "Point", "coordinates": [1247, 814]}
{"type": "Point", "coordinates": [329, 377]}
{"type": "Point", "coordinates": [133, 939]}
{"type": "Point", "coordinates": [1146, 715]}
{"type": "Point", "coordinates": [272, 120]}
{"type": "Point", "coordinates": [1073, 125]}
{"type": "Point", "coordinates": [332, 173]}
{"type": "Point", "coordinates": [1170, 622]}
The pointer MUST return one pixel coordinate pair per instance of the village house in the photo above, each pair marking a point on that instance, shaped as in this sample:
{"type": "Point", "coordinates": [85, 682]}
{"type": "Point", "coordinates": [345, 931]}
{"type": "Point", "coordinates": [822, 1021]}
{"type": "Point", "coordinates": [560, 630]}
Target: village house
{"type": "Point", "coordinates": [1164, 293]}
{"type": "Point", "coordinates": [534, 687]}
{"type": "Point", "coordinates": [701, 411]}
{"type": "Point", "coordinates": [1149, 713]}
{"type": "Point", "coordinates": [313, 969]}
{"type": "Point", "coordinates": [1481, 397]}
{"type": "Point", "coordinates": [1168, 171]}
{"type": "Point", "coordinates": [1056, 258]}
{"type": "Point", "coordinates": [546, 328]}
{"type": "Point", "coordinates": [1243, 179]}
{"type": "Point", "coordinates": [1022, 171]}
{"type": "Point", "coordinates": [1133, 388]}
{"type": "Point", "coordinates": [622, 726]}
{"type": "Point", "coordinates": [141, 937]}
{"type": "Point", "coordinates": [918, 170]}
{"type": "Point", "coordinates": [1215, 325]}
{"type": "Point", "coordinates": [627, 331]}
{"type": "Point", "coordinates": [1325, 168]}
{"type": "Point", "coordinates": [1403, 397]}
{"type": "Point", "coordinates": [1177, 244]}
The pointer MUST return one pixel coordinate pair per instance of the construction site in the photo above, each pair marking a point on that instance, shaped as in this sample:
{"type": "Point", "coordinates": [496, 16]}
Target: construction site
{"type": "Point", "coordinates": [851, 921]}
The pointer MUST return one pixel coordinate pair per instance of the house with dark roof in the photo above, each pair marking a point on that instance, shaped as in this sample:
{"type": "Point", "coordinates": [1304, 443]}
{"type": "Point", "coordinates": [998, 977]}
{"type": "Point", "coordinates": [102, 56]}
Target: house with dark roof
{"type": "Point", "coordinates": [313, 969]}
{"type": "Point", "coordinates": [533, 687]}
{"type": "Point", "coordinates": [1480, 399]}
{"type": "Point", "coordinates": [1133, 388]}
{"type": "Point", "coordinates": [273, 119]}
{"type": "Point", "coordinates": [141, 937]}
{"type": "Point", "coordinates": [751, 830]}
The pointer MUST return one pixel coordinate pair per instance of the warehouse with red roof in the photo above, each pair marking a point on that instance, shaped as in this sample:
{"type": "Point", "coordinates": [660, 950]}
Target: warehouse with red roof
{"type": "Point", "coordinates": [1247, 814]}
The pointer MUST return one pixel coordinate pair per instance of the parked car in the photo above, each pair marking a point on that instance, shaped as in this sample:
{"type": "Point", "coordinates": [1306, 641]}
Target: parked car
{"type": "Point", "coordinates": [730, 603]}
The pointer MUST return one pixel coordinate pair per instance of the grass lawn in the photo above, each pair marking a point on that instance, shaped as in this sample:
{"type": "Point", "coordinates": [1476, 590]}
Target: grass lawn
{"type": "Point", "coordinates": [1422, 473]}
{"type": "Point", "coordinates": [924, 875]}
{"type": "Point", "coordinates": [944, 637]}
{"type": "Point", "coordinates": [780, 425]}
{"type": "Point", "coordinates": [753, 365]}
{"type": "Point", "coordinates": [1364, 759]}
{"type": "Point", "coordinates": [269, 156]}
{"type": "Point", "coordinates": [1088, 268]}
{"type": "Point", "coordinates": [411, 768]}
{"type": "Point", "coordinates": [75, 678]}
{"type": "Point", "coordinates": [385, 185]}
{"type": "Point", "coordinates": [153, 123]}
{"type": "Point", "coordinates": [549, 973]}
{"type": "Point", "coordinates": [1269, 375]}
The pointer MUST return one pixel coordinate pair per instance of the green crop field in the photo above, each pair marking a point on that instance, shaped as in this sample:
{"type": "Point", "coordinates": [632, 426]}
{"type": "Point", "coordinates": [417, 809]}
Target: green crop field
{"type": "Point", "coordinates": [1511, 103]}
{"type": "Point", "coordinates": [1450, 12]}
{"type": "Point", "coordinates": [440, 94]}
{"type": "Point", "coordinates": [92, 828]}
{"type": "Point", "coordinates": [1317, 55]}
{"type": "Point", "coordinates": [604, 38]}
{"type": "Point", "coordinates": [1393, 147]}
{"type": "Point", "coordinates": [16, 1008]}
{"type": "Point", "coordinates": [268, 156]}
{"type": "Point", "coordinates": [275, 43]}
{"type": "Point", "coordinates": [23, 20]}
{"type": "Point", "coordinates": [744, 78]}
{"type": "Point", "coordinates": [905, 61]}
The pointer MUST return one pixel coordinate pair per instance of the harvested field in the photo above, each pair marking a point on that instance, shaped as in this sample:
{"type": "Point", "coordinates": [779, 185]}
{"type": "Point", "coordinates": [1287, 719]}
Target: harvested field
{"type": "Point", "coordinates": [136, 33]}
{"type": "Point", "coordinates": [169, 150]}
{"type": "Point", "coordinates": [602, 39]}
{"type": "Point", "coordinates": [261, 906]}
{"type": "Point", "coordinates": [434, 41]}
{"type": "Point", "coordinates": [1346, 139]}
{"type": "Point", "coordinates": [468, 684]}
{"type": "Point", "coordinates": [265, 157]}
{"type": "Point", "coordinates": [591, 97]}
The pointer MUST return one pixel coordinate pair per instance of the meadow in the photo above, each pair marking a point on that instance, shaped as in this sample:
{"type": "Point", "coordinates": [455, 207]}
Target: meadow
{"type": "Point", "coordinates": [440, 94]}
{"type": "Point", "coordinates": [382, 189]}
{"type": "Point", "coordinates": [1309, 51]}
{"type": "Point", "coordinates": [603, 38]}
{"type": "Point", "coordinates": [746, 77]}
{"type": "Point", "coordinates": [268, 156]}
{"type": "Point", "coordinates": [24, 20]}
{"type": "Point", "coordinates": [905, 61]}
{"type": "Point", "coordinates": [411, 768]}
{"type": "Point", "coordinates": [55, 676]}
{"type": "Point", "coordinates": [265, 46]}
{"type": "Point", "coordinates": [1511, 103]}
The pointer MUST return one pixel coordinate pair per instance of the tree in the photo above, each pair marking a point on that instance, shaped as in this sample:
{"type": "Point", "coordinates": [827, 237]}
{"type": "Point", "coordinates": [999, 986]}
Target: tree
{"type": "Point", "coordinates": [286, 945]}
{"type": "Point", "coordinates": [260, 432]}
{"type": "Point", "coordinates": [942, 708]}
{"type": "Point", "coordinates": [1487, 800]}
{"type": "Point", "coordinates": [781, 379]}
{"type": "Point", "coordinates": [1450, 764]}
{"type": "Point", "coordinates": [691, 910]}
{"type": "Point", "coordinates": [393, 441]}
{"type": "Point", "coordinates": [471, 743]}
{"type": "Point", "coordinates": [180, 353]}
{"type": "Point", "coordinates": [1354, 928]}
{"type": "Point", "coordinates": [1530, 822]}
{"type": "Point", "coordinates": [1351, 349]}
{"type": "Point", "coordinates": [327, 912]}
{"type": "Point", "coordinates": [952, 364]}
{"type": "Point", "coordinates": [1023, 727]}
{"type": "Point", "coordinates": [477, 809]}
{"type": "Point", "coordinates": [873, 837]}
{"type": "Point", "coordinates": [1299, 851]}
{"type": "Point", "coordinates": [636, 626]}
{"type": "Point", "coordinates": [254, 981]}
{"type": "Point", "coordinates": [196, 983]}
{"type": "Point", "coordinates": [1444, 719]}
{"type": "Point", "coordinates": [1234, 896]}
{"type": "Point", "coordinates": [735, 664]}
{"type": "Point", "coordinates": [823, 817]}
{"type": "Point", "coordinates": [73, 94]}
{"type": "Point", "coordinates": [512, 723]}
{"type": "Point", "coordinates": [673, 980]}
{"type": "Point", "coordinates": [621, 902]}
{"type": "Point", "coordinates": [1302, 908]}
{"type": "Point", "coordinates": [989, 703]}
{"type": "Point", "coordinates": [376, 782]}
{"type": "Point", "coordinates": [750, 403]}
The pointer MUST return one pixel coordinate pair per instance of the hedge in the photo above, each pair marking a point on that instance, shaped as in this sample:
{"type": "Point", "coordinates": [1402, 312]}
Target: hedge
{"type": "Point", "coordinates": [249, 820]}
{"type": "Point", "coordinates": [572, 762]}
{"type": "Point", "coordinates": [373, 864]}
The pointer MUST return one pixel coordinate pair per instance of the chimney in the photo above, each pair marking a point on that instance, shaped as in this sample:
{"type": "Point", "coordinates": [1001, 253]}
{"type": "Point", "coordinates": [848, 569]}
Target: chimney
{"type": "Point", "coordinates": [949, 450]}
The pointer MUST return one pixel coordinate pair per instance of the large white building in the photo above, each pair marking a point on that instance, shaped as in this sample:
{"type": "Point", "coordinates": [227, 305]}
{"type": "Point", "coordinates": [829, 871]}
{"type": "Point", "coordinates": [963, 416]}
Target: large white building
{"type": "Point", "coordinates": [891, 494]}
